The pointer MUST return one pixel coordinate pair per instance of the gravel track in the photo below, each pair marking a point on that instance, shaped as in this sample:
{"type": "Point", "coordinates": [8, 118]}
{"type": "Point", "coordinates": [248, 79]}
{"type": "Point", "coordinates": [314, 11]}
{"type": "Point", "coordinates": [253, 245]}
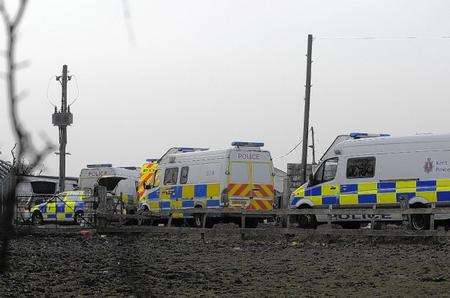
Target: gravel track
{"type": "Point", "coordinates": [184, 265]}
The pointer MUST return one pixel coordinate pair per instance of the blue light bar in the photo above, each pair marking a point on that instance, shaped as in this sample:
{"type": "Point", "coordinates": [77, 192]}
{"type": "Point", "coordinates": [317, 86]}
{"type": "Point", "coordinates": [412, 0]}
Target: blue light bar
{"type": "Point", "coordinates": [101, 165]}
{"type": "Point", "coordinates": [359, 135]}
{"type": "Point", "coordinates": [247, 144]}
{"type": "Point", "coordinates": [190, 149]}
{"type": "Point", "coordinates": [151, 159]}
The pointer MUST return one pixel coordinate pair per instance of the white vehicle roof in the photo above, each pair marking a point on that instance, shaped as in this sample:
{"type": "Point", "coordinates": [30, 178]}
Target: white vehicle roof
{"type": "Point", "coordinates": [213, 155]}
{"type": "Point", "coordinates": [368, 146]}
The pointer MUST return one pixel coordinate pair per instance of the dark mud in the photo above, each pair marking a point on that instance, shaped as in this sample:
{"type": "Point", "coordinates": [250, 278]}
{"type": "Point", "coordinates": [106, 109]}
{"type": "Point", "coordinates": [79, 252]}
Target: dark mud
{"type": "Point", "coordinates": [183, 265]}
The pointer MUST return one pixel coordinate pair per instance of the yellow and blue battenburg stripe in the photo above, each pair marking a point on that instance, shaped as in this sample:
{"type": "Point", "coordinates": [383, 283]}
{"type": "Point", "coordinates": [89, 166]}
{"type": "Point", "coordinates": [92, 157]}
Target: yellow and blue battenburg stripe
{"type": "Point", "coordinates": [184, 196]}
{"type": "Point", "coordinates": [385, 192]}
{"type": "Point", "coordinates": [65, 207]}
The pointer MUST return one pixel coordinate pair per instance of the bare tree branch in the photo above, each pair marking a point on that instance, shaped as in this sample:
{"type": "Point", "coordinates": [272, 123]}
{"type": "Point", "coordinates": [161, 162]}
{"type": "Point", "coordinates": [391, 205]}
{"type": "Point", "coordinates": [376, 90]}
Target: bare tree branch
{"type": "Point", "coordinates": [23, 140]}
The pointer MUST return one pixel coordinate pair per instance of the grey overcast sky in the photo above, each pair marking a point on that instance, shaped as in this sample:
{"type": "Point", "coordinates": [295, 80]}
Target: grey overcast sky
{"type": "Point", "coordinates": [207, 72]}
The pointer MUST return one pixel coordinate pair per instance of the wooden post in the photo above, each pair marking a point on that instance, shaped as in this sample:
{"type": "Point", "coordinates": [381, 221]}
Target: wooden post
{"type": "Point", "coordinates": [169, 222]}
{"type": "Point", "coordinates": [242, 226]}
{"type": "Point", "coordinates": [433, 205]}
{"type": "Point", "coordinates": [330, 223]}
{"type": "Point", "coordinates": [204, 220]}
{"type": "Point", "coordinates": [306, 112]}
{"type": "Point", "coordinates": [372, 222]}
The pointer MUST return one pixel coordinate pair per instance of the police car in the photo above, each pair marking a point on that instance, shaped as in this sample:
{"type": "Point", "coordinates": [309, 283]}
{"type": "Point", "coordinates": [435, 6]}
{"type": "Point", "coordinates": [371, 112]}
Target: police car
{"type": "Point", "coordinates": [64, 207]}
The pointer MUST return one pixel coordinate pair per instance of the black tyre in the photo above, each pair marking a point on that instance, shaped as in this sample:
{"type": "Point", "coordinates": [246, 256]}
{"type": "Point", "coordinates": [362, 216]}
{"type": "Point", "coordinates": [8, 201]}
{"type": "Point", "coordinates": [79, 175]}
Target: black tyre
{"type": "Point", "coordinates": [307, 221]}
{"type": "Point", "coordinates": [143, 216]}
{"type": "Point", "coordinates": [197, 219]}
{"type": "Point", "coordinates": [37, 219]}
{"type": "Point", "coordinates": [78, 217]}
{"type": "Point", "coordinates": [420, 222]}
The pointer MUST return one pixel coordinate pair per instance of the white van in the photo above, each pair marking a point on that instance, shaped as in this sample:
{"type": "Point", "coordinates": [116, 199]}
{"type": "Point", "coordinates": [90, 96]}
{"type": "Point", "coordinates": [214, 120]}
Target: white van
{"type": "Point", "coordinates": [240, 177]}
{"type": "Point", "coordinates": [120, 182]}
{"type": "Point", "coordinates": [381, 171]}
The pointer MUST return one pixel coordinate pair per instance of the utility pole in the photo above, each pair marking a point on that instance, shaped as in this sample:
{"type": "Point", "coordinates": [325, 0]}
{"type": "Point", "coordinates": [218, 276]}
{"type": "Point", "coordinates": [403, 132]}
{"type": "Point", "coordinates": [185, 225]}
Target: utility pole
{"type": "Point", "coordinates": [62, 119]}
{"type": "Point", "coordinates": [313, 146]}
{"type": "Point", "coordinates": [307, 104]}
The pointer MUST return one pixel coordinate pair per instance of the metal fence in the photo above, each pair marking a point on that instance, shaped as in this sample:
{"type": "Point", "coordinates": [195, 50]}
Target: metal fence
{"type": "Point", "coordinates": [7, 181]}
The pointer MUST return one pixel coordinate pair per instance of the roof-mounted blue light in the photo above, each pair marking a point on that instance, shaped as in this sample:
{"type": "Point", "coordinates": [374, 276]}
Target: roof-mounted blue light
{"type": "Point", "coordinates": [190, 149]}
{"type": "Point", "coordinates": [360, 135]}
{"type": "Point", "coordinates": [100, 165]}
{"type": "Point", "coordinates": [151, 159]}
{"type": "Point", "coordinates": [247, 144]}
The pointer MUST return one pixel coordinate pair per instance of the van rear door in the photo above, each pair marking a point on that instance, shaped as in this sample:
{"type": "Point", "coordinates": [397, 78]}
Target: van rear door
{"type": "Point", "coordinates": [251, 185]}
{"type": "Point", "coordinates": [262, 180]}
{"type": "Point", "coordinates": [239, 186]}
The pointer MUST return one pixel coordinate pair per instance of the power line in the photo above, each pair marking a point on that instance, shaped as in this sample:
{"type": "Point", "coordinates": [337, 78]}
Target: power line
{"type": "Point", "coordinates": [78, 90]}
{"type": "Point", "coordinates": [48, 87]}
{"type": "Point", "coordinates": [290, 151]}
{"type": "Point", "coordinates": [382, 37]}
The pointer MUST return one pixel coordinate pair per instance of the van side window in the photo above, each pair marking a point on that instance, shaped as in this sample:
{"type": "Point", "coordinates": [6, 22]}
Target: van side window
{"type": "Point", "coordinates": [171, 176]}
{"type": "Point", "coordinates": [326, 172]}
{"type": "Point", "coordinates": [361, 167]}
{"type": "Point", "coordinates": [184, 175]}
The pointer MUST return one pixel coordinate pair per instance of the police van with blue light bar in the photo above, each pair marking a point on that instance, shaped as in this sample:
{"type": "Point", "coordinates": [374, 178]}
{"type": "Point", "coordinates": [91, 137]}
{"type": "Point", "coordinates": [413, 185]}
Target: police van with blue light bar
{"type": "Point", "coordinates": [240, 177]}
{"type": "Point", "coordinates": [378, 171]}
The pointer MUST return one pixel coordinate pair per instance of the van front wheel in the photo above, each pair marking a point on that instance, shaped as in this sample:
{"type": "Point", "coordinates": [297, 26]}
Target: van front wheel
{"type": "Point", "coordinates": [420, 222]}
{"type": "Point", "coordinates": [307, 221]}
{"type": "Point", "coordinates": [37, 218]}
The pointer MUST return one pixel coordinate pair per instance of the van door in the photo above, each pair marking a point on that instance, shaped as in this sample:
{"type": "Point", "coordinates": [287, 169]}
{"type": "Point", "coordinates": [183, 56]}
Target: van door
{"type": "Point", "coordinates": [262, 193]}
{"type": "Point", "coordinates": [323, 190]}
{"type": "Point", "coordinates": [50, 213]}
{"type": "Point", "coordinates": [169, 190]}
{"type": "Point", "coordinates": [239, 186]}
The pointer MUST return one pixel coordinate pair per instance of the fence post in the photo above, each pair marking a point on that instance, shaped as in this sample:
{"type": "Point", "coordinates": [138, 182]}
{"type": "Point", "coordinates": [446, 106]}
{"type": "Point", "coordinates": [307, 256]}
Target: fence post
{"type": "Point", "coordinates": [102, 207]}
{"type": "Point", "coordinates": [372, 222]}
{"type": "Point", "coordinates": [242, 225]}
{"type": "Point", "coordinates": [330, 208]}
{"type": "Point", "coordinates": [288, 220]}
{"type": "Point", "coordinates": [433, 205]}
{"type": "Point", "coordinates": [406, 218]}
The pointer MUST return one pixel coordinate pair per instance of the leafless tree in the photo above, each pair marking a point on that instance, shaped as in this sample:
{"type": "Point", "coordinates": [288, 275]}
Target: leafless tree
{"type": "Point", "coordinates": [25, 147]}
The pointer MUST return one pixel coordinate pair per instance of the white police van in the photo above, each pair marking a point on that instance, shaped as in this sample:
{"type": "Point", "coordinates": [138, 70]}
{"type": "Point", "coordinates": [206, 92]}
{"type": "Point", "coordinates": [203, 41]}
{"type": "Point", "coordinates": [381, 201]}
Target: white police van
{"type": "Point", "coordinates": [238, 177]}
{"type": "Point", "coordinates": [379, 171]}
{"type": "Point", "coordinates": [120, 182]}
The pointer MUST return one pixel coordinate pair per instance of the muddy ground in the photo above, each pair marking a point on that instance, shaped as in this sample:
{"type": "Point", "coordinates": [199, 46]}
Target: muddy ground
{"type": "Point", "coordinates": [183, 265]}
